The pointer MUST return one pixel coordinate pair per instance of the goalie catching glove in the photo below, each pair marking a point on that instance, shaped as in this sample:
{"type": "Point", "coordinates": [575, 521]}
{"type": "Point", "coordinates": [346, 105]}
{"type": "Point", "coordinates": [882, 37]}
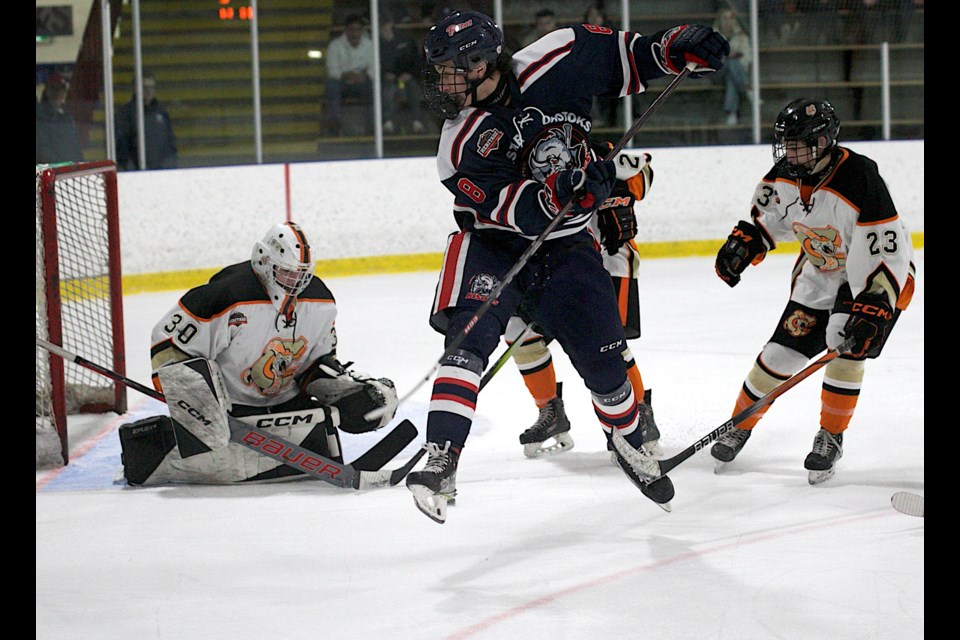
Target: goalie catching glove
{"type": "Point", "coordinates": [743, 247]}
{"type": "Point", "coordinates": [353, 394]}
{"type": "Point", "coordinates": [868, 325]}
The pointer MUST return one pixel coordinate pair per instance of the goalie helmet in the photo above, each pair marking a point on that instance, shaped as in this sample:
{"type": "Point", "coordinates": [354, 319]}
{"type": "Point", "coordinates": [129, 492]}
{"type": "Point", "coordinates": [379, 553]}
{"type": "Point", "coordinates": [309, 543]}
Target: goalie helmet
{"type": "Point", "coordinates": [283, 264]}
{"type": "Point", "coordinates": [805, 133]}
{"type": "Point", "coordinates": [468, 39]}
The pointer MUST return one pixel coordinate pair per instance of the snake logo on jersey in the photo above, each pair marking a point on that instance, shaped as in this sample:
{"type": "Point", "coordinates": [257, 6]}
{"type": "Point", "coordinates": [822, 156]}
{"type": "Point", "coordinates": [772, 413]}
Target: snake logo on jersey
{"type": "Point", "coordinates": [822, 246]}
{"type": "Point", "coordinates": [274, 369]}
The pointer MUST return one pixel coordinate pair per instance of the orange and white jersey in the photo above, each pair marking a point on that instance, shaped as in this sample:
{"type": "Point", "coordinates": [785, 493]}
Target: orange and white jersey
{"type": "Point", "coordinates": [848, 229]}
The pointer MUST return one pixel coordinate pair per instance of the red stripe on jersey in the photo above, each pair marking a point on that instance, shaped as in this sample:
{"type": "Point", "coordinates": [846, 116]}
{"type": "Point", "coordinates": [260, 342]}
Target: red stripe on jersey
{"type": "Point", "coordinates": [634, 84]}
{"type": "Point", "coordinates": [457, 382]}
{"type": "Point", "coordinates": [546, 59]}
{"type": "Point", "coordinates": [500, 214]}
{"type": "Point", "coordinates": [450, 271]}
{"type": "Point", "coordinates": [462, 136]}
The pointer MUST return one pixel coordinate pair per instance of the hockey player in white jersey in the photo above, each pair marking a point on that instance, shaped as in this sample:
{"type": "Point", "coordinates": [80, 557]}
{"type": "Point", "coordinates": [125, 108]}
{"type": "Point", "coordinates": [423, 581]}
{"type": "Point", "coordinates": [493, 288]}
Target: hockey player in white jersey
{"type": "Point", "coordinates": [256, 343]}
{"type": "Point", "coordinates": [853, 277]}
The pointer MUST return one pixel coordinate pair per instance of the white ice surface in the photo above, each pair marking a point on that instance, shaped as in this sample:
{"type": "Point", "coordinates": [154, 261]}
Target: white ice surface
{"type": "Point", "coordinates": [560, 548]}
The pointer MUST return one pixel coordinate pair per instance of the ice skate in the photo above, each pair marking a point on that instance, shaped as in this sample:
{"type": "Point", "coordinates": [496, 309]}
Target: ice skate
{"type": "Point", "coordinates": [728, 446]}
{"type": "Point", "coordinates": [648, 427]}
{"type": "Point", "coordinates": [550, 434]}
{"type": "Point", "coordinates": [643, 471]}
{"type": "Point", "coordinates": [435, 486]}
{"type": "Point", "coordinates": [820, 462]}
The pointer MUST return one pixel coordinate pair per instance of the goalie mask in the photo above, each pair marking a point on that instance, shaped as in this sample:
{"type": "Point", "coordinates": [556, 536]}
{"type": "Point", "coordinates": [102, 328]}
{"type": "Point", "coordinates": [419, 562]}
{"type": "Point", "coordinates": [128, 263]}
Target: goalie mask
{"type": "Point", "coordinates": [805, 134]}
{"type": "Point", "coordinates": [284, 265]}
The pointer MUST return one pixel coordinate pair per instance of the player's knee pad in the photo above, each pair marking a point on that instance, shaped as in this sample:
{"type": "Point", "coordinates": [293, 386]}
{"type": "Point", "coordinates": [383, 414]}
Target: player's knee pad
{"type": "Point", "coordinates": [143, 446]}
{"type": "Point", "coordinates": [775, 364]}
{"type": "Point", "coordinates": [198, 402]}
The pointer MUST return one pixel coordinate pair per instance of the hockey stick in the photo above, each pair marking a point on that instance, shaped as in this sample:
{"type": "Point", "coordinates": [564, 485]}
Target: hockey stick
{"type": "Point", "coordinates": [671, 463]}
{"type": "Point", "coordinates": [908, 503]}
{"type": "Point", "coordinates": [539, 240]}
{"type": "Point", "coordinates": [492, 371]}
{"type": "Point", "coordinates": [367, 474]}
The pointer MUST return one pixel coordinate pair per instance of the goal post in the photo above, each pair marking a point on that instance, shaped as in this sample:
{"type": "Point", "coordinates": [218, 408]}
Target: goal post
{"type": "Point", "coordinates": [79, 299]}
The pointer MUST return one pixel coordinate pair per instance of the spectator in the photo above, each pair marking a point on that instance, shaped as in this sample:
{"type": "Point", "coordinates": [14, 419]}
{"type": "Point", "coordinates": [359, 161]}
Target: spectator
{"type": "Point", "coordinates": [400, 62]}
{"type": "Point", "coordinates": [735, 73]}
{"type": "Point", "coordinates": [604, 109]}
{"type": "Point", "coordinates": [159, 140]}
{"type": "Point", "coordinates": [544, 22]}
{"type": "Point", "coordinates": [57, 137]}
{"type": "Point", "coordinates": [349, 78]}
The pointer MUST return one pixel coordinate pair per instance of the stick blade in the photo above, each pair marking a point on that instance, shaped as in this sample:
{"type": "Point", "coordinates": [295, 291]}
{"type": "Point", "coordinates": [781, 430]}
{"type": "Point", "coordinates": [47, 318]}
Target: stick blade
{"type": "Point", "coordinates": [908, 503]}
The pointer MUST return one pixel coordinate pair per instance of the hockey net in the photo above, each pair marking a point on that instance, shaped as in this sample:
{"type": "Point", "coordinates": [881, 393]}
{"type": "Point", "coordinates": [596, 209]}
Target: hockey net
{"type": "Point", "coordinates": [79, 299]}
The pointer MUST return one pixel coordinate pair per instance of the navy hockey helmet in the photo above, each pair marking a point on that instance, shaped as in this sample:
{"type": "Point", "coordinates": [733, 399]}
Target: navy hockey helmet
{"type": "Point", "coordinates": [468, 39]}
{"type": "Point", "coordinates": [813, 127]}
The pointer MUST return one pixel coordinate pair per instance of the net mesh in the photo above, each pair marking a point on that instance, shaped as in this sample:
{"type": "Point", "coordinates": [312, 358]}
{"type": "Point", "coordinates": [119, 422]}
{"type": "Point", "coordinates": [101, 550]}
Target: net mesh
{"type": "Point", "coordinates": [82, 304]}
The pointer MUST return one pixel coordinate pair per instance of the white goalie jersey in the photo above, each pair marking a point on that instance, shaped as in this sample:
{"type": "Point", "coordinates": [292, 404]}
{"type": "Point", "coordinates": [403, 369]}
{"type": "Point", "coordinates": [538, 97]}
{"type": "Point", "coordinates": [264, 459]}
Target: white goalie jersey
{"type": "Point", "coordinates": [848, 228]}
{"type": "Point", "coordinates": [232, 321]}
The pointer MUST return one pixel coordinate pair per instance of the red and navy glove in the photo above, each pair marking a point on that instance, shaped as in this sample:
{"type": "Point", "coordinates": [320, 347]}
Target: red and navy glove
{"type": "Point", "coordinates": [869, 322]}
{"type": "Point", "coordinates": [743, 247]}
{"type": "Point", "coordinates": [588, 188]}
{"type": "Point", "coordinates": [695, 43]}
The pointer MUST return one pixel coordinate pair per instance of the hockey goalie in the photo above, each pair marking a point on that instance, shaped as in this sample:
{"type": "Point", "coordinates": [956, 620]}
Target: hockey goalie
{"type": "Point", "coordinates": [257, 343]}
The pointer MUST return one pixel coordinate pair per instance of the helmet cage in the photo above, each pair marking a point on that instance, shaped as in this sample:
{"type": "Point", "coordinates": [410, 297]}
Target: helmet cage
{"type": "Point", "coordinates": [813, 128]}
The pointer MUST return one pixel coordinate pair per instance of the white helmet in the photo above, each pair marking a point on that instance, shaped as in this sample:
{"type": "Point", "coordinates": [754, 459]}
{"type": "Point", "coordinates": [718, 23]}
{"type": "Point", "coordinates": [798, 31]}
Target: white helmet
{"type": "Point", "coordinates": [283, 263]}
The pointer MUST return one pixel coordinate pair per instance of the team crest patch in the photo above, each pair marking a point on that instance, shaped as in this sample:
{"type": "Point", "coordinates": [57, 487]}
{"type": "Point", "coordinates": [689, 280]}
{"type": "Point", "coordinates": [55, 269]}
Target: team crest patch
{"type": "Point", "coordinates": [236, 319]}
{"type": "Point", "coordinates": [481, 286]}
{"type": "Point", "coordinates": [822, 246]}
{"type": "Point", "coordinates": [489, 141]}
{"type": "Point", "coordinates": [799, 324]}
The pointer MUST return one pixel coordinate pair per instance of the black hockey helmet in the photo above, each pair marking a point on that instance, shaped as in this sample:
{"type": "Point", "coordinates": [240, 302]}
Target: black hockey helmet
{"type": "Point", "coordinates": [468, 39]}
{"type": "Point", "coordinates": [814, 124]}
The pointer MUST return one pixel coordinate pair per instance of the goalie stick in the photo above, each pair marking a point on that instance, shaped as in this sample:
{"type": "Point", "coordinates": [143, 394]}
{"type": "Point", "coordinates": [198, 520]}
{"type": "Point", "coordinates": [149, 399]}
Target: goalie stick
{"type": "Point", "coordinates": [539, 240]}
{"type": "Point", "coordinates": [908, 503]}
{"type": "Point", "coordinates": [657, 468]}
{"type": "Point", "coordinates": [363, 473]}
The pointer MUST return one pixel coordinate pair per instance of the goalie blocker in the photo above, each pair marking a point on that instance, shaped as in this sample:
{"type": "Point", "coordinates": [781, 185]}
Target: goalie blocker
{"type": "Point", "coordinates": [193, 444]}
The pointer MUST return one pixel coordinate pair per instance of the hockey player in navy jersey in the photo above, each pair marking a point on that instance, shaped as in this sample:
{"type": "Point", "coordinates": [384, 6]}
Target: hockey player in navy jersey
{"type": "Point", "coordinates": [257, 340]}
{"type": "Point", "coordinates": [514, 151]}
{"type": "Point", "coordinates": [853, 277]}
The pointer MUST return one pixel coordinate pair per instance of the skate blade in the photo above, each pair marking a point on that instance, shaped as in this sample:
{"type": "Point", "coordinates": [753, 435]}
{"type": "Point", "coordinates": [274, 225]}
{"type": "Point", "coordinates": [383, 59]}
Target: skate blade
{"type": "Point", "coordinates": [433, 505]}
{"type": "Point", "coordinates": [555, 445]}
{"type": "Point", "coordinates": [816, 477]}
{"type": "Point", "coordinates": [719, 466]}
{"type": "Point", "coordinates": [665, 506]}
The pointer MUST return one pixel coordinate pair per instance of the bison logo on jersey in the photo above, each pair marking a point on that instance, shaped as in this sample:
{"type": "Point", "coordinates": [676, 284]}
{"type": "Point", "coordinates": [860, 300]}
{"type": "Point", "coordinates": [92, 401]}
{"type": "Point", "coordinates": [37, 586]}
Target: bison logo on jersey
{"type": "Point", "coordinates": [274, 369]}
{"type": "Point", "coordinates": [481, 286]}
{"type": "Point", "coordinates": [549, 143]}
{"type": "Point", "coordinates": [799, 324]}
{"type": "Point", "coordinates": [822, 246]}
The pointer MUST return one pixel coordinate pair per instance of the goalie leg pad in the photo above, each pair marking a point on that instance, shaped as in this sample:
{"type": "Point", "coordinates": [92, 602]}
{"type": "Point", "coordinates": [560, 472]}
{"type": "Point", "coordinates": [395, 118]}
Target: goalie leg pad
{"type": "Point", "coordinates": [198, 403]}
{"type": "Point", "coordinates": [143, 446]}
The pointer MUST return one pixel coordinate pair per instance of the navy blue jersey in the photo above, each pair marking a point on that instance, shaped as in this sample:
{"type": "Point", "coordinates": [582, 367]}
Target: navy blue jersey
{"type": "Point", "coordinates": [495, 159]}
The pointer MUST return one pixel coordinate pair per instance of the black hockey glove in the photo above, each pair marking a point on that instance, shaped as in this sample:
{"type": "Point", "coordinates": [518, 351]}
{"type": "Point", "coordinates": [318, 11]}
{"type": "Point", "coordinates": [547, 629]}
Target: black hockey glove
{"type": "Point", "coordinates": [743, 247]}
{"type": "Point", "coordinates": [695, 43]}
{"type": "Point", "coordinates": [616, 218]}
{"type": "Point", "coordinates": [869, 322]}
{"type": "Point", "coordinates": [587, 187]}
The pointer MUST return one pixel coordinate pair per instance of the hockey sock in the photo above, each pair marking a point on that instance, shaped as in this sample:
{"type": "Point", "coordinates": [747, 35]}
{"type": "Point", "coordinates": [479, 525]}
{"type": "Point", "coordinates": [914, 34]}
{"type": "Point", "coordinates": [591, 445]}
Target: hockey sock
{"type": "Point", "coordinates": [536, 366]}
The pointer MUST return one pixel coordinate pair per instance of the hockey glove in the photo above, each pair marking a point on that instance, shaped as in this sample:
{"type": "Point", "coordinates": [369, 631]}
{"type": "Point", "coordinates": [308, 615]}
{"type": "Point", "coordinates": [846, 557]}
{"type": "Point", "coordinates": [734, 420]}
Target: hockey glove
{"type": "Point", "coordinates": [691, 43]}
{"type": "Point", "coordinates": [616, 219]}
{"type": "Point", "coordinates": [743, 247]}
{"type": "Point", "coordinates": [869, 322]}
{"type": "Point", "coordinates": [588, 188]}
